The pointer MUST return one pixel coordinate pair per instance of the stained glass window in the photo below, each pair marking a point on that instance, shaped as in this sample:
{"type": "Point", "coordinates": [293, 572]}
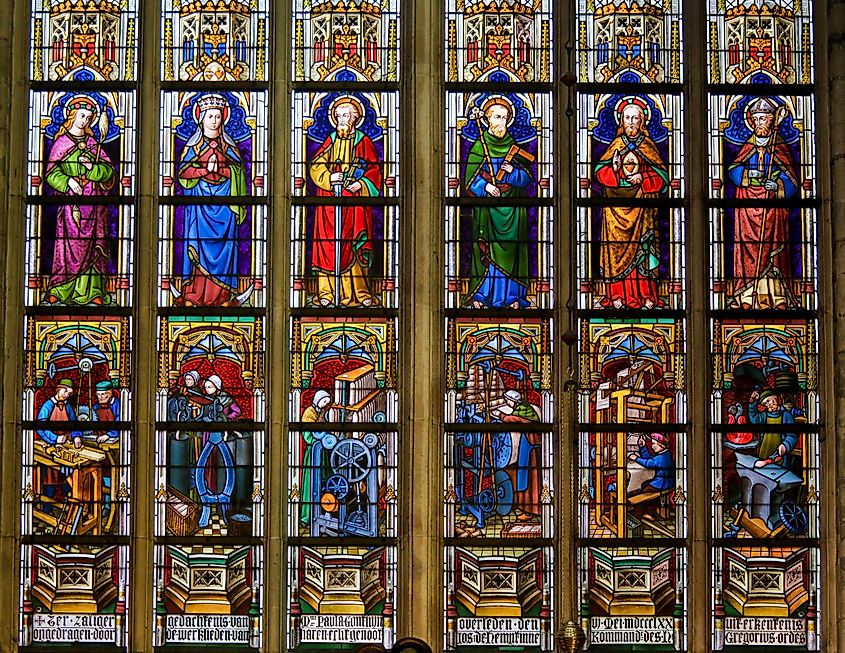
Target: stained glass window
{"type": "Point", "coordinates": [78, 326]}
{"type": "Point", "coordinates": [344, 413]}
{"type": "Point", "coordinates": [210, 399]}
{"type": "Point", "coordinates": [81, 41]}
{"type": "Point", "coordinates": [632, 385]}
{"type": "Point", "coordinates": [500, 412]}
{"type": "Point", "coordinates": [623, 391]}
{"type": "Point", "coordinates": [765, 442]}
{"type": "Point", "coordinates": [623, 41]}
{"type": "Point", "coordinates": [214, 41]}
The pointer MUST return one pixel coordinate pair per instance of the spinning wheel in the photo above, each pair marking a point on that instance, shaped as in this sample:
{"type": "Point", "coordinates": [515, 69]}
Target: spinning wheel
{"type": "Point", "coordinates": [351, 459]}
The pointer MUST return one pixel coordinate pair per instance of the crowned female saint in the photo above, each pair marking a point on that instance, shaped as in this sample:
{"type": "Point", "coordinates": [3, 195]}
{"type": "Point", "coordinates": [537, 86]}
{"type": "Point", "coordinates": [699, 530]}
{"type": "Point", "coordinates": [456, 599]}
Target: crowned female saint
{"type": "Point", "coordinates": [78, 167]}
{"type": "Point", "coordinates": [211, 166]}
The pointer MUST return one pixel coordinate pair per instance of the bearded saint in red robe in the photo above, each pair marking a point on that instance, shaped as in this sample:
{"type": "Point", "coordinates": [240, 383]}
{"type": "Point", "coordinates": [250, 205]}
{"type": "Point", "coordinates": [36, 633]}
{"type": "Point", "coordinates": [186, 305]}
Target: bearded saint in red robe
{"type": "Point", "coordinates": [763, 170]}
{"type": "Point", "coordinates": [346, 165]}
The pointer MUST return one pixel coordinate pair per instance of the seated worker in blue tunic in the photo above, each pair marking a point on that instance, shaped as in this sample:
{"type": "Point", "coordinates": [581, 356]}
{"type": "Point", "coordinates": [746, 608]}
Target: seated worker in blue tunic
{"type": "Point", "coordinates": [657, 458]}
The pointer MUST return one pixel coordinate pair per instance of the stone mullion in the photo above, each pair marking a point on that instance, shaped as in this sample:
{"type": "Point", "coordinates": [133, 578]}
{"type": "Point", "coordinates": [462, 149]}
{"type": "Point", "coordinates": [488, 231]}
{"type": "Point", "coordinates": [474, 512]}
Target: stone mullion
{"type": "Point", "coordinates": [14, 67]}
{"type": "Point", "coordinates": [420, 586]}
{"type": "Point", "coordinates": [698, 378]}
{"type": "Point", "coordinates": [565, 437]}
{"type": "Point", "coordinates": [277, 353]}
{"type": "Point", "coordinates": [141, 566]}
{"type": "Point", "coordinates": [830, 62]}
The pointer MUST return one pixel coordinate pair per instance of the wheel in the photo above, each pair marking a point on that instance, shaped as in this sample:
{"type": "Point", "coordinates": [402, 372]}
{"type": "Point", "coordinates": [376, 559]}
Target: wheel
{"type": "Point", "coordinates": [486, 501]}
{"type": "Point", "coordinates": [329, 441]}
{"type": "Point", "coordinates": [358, 520]}
{"type": "Point", "coordinates": [337, 485]}
{"type": "Point", "coordinates": [351, 459]}
{"type": "Point", "coordinates": [502, 449]}
{"type": "Point", "coordinates": [794, 517]}
{"type": "Point", "coordinates": [328, 502]}
{"type": "Point", "coordinates": [371, 440]}
{"type": "Point", "coordinates": [504, 493]}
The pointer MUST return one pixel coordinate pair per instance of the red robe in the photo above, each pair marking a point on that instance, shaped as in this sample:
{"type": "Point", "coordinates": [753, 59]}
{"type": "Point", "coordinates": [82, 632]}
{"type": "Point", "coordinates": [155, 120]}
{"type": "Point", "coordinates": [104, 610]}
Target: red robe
{"type": "Point", "coordinates": [766, 257]}
{"type": "Point", "coordinates": [356, 226]}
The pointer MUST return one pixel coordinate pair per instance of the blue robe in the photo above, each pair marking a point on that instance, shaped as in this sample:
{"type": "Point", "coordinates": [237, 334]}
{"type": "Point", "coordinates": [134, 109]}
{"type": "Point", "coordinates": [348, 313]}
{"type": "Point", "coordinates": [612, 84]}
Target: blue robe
{"type": "Point", "coordinates": [211, 232]}
{"type": "Point", "coordinates": [663, 466]}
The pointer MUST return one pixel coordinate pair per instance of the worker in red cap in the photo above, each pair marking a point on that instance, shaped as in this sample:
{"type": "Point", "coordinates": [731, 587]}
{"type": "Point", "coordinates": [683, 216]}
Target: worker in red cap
{"type": "Point", "coordinates": [658, 458]}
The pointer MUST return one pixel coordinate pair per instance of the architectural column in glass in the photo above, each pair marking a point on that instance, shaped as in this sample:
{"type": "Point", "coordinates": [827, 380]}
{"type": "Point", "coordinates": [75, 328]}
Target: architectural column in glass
{"type": "Point", "coordinates": [631, 315]}
{"type": "Point", "coordinates": [77, 331]}
{"type": "Point", "coordinates": [500, 417]}
{"type": "Point", "coordinates": [344, 435]}
{"type": "Point", "coordinates": [210, 398]}
{"type": "Point", "coordinates": [765, 410]}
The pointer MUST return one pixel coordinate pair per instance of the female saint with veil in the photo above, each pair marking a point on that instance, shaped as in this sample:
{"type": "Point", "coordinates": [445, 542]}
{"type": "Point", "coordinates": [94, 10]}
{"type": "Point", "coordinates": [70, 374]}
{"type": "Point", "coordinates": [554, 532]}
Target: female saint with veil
{"type": "Point", "coordinates": [211, 166]}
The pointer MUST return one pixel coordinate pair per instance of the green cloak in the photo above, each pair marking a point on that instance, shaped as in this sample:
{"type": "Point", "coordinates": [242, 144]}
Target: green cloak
{"type": "Point", "coordinates": [499, 233]}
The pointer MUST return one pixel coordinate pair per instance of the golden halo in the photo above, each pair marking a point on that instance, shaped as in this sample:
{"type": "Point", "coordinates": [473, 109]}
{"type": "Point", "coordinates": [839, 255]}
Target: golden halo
{"type": "Point", "coordinates": [501, 100]}
{"type": "Point", "coordinates": [346, 99]}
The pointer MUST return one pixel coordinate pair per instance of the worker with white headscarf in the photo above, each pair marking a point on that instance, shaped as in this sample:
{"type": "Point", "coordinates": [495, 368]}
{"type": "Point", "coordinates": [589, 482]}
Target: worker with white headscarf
{"type": "Point", "coordinates": [317, 411]}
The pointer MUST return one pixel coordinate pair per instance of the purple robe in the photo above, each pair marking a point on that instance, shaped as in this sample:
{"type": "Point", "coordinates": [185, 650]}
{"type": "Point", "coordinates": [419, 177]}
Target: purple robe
{"type": "Point", "coordinates": [81, 250]}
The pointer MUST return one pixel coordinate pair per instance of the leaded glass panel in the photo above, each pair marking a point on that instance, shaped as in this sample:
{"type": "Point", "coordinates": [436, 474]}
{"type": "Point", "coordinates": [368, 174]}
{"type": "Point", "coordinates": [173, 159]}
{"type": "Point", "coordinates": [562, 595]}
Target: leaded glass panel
{"type": "Point", "coordinates": [342, 484]}
{"type": "Point", "coordinates": [341, 597]}
{"type": "Point", "coordinates": [79, 41]}
{"type": "Point", "coordinates": [633, 483]}
{"type": "Point", "coordinates": [633, 598]}
{"type": "Point", "coordinates": [346, 41]}
{"type": "Point", "coordinates": [74, 595]}
{"type": "Point", "coordinates": [81, 144]}
{"type": "Point", "coordinates": [343, 370]}
{"type": "Point", "coordinates": [352, 133]}
{"type": "Point", "coordinates": [498, 597]}
{"type": "Point", "coordinates": [208, 595]}
{"type": "Point", "coordinates": [498, 145]}
{"type": "Point", "coordinates": [766, 597]}
{"type": "Point", "coordinates": [630, 41]}
{"type": "Point", "coordinates": [498, 41]}
{"type": "Point", "coordinates": [765, 42]}
{"type": "Point", "coordinates": [210, 369]}
{"type": "Point", "coordinates": [210, 482]}
{"type": "Point", "coordinates": [214, 41]}
{"type": "Point", "coordinates": [368, 259]}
